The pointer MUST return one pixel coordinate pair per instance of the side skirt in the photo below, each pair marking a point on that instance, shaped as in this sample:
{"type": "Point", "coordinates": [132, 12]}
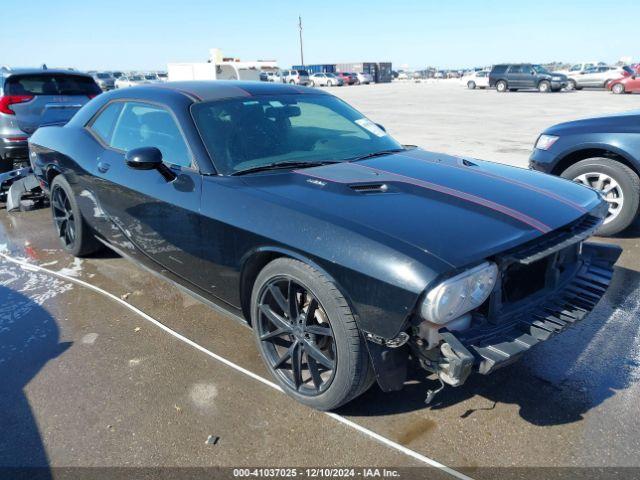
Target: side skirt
{"type": "Point", "coordinates": [177, 281]}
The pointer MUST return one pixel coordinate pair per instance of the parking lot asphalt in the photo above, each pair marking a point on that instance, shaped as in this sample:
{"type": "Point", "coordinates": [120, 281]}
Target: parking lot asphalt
{"type": "Point", "coordinates": [87, 381]}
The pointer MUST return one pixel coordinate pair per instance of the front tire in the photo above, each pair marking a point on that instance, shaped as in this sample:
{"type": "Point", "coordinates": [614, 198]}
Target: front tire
{"type": "Point", "coordinates": [501, 86]}
{"type": "Point", "coordinates": [308, 336]}
{"type": "Point", "coordinates": [471, 85]}
{"type": "Point", "coordinates": [544, 86]}
{"type": "Point", "coordinates": [572, 85]}
{"type": "Point", "coordinates": [618, 89]}
{"type": "Point", "coordinates": [618, 183]}
{"type": "Point", "coordinates": [75, 235]}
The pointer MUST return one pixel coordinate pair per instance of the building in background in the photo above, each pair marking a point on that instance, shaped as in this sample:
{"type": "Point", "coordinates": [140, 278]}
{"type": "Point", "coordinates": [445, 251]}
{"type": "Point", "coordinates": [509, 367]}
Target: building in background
{"type": "Point", "coordinates": [316, 68]}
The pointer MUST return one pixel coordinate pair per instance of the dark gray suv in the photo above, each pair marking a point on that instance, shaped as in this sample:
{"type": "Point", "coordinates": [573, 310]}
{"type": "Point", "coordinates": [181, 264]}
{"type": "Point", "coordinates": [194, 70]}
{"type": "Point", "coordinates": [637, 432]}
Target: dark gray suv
{"type": "Point", "coordinates": [33, 97]}
{"type": "Point", "coordinates": [517, 76]}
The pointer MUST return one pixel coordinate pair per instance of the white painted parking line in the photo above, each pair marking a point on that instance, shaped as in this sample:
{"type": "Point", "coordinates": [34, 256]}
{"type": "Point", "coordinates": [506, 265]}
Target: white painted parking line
{"type": "Point", "coordinates": [338, 418]}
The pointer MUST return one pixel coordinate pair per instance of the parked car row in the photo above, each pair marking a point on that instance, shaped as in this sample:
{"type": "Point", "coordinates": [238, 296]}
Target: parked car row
{"type": "Point", "coordinates": [521, 76]}
{"type": "Point", "coordinates": [319, 79]}
{"type": "Point", "coordinates": [110, 80]}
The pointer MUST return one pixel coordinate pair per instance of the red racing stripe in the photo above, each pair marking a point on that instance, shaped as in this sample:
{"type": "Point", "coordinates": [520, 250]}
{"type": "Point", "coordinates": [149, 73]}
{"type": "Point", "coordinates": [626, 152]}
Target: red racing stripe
{"type": "Point", "coordinates": [512, 181]}
{"type": "Point", "coordinates": [521, 217]}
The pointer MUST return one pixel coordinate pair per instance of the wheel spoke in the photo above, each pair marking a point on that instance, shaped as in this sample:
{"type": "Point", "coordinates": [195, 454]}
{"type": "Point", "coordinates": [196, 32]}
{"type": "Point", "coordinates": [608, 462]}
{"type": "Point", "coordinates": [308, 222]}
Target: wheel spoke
{"type": "Point", "coordinates": [315, 372]}
{"type": "Point", "coordinates": [319, 330]}
{"type": "Point", "coordinates": [279, 298]}
{"type": "Point", "coordinates": [296, 364]}
{"type": "Point", "coordinates": [287, 355]}
{"type": "Point", "coordinates": [71, 231]}
{"type": "Point", "coordinates": [276, 333]}
{"type": "Point", "coordinates": [313, 351]}
{"type": "Point", "coordinates": [274, 318]}
{"type": "Point", "coordinates": [62, 228]}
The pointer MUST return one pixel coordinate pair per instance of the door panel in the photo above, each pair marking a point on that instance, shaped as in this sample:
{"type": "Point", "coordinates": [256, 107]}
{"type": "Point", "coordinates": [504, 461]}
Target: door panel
{"type": "Point", "coordinates": [159, 218]}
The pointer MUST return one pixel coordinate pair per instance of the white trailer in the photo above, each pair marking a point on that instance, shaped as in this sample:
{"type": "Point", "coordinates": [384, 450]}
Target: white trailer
{"type": "Point", "coordinates": [211, 71]}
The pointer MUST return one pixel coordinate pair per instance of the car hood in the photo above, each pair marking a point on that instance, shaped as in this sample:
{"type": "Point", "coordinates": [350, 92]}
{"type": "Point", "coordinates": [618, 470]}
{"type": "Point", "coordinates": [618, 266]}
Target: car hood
{"type": "Point", "coordinates": [617, 122]}
{"type": "Point", "coordinates": [459, 210]}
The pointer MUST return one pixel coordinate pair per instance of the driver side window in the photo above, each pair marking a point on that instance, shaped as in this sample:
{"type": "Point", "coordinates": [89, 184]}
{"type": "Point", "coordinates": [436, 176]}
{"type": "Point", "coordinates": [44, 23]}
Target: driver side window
{"type": "Point", "coordinates": [143, 125]}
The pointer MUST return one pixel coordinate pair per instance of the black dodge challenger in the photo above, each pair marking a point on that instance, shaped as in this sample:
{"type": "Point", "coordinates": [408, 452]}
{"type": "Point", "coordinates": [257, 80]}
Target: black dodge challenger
{"type": "Point", "coordinates": [347, 253]}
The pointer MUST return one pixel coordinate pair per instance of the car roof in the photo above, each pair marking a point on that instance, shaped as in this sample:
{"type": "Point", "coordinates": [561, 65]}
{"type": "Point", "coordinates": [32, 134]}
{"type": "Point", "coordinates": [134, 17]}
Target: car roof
{"type": "Point", "coordinates": [38, 71]}
{"type": "Point", "coordinates": [212, 90]}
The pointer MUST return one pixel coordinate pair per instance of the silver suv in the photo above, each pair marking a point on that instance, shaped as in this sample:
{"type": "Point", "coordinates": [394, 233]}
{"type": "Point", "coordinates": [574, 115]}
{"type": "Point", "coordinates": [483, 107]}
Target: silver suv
{"type": "Point", "coordinates": [296, 77]}
{"type": "Point", "coordinates": [33, 97]}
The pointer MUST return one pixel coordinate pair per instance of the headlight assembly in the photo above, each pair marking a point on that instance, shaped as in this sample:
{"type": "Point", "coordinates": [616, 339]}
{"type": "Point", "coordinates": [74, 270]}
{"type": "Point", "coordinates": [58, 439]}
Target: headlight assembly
{"type": "Point", "coordinates": [460, 294]}
{"type": "Point", "coordinates": [546, 141]}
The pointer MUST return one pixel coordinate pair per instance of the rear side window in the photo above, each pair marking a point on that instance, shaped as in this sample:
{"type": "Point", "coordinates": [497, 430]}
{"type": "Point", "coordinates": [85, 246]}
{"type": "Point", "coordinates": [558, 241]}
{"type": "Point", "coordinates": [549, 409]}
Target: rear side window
{"type": "Point", "coordinates": [143, 125]}
{"type": "Point", "coordinates": [303, 72]}
{"type": "Point", "coordinates": [498, 69]}
{"type": "Point", "coordinates": [51, 84]}
{"type": "Point", "coordinates": [516, 69]}
{"type": "Point", "coordinates": [105, 122]}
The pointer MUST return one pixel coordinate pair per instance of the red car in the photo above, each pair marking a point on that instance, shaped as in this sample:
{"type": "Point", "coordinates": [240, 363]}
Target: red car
{"type": "Point", "coordinates": [629, 83]}
{"type": "Point", "coordinates": [347, 78]}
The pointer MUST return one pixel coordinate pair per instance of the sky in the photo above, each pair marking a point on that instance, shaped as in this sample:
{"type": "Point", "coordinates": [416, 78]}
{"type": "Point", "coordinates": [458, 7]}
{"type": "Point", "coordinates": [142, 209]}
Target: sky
{"type": "Point", "coordinates": [148, 34]}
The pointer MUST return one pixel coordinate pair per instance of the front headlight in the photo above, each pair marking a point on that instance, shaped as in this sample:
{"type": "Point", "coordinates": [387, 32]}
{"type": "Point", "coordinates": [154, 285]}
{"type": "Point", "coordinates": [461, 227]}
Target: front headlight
{"type": "Point", "coordinates": [546, 141]}
{"type": "Point", "coordinates": [460, 294]}
{"type": "Point", "coordinates": [556, 79]}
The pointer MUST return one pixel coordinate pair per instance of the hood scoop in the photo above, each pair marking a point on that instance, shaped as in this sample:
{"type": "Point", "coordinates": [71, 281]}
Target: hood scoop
{"type": "Point", "coordinates": [370, 187]}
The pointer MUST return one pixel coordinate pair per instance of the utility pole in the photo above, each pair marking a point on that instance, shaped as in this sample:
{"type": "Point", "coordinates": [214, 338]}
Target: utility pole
{"type": "Point", "coordinates": [300, 27]}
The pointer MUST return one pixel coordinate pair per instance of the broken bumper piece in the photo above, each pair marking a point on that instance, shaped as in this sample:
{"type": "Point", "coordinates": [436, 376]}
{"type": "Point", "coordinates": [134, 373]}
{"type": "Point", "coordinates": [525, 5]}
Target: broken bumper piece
{"type": "Point", "coordinates": [491, 345]}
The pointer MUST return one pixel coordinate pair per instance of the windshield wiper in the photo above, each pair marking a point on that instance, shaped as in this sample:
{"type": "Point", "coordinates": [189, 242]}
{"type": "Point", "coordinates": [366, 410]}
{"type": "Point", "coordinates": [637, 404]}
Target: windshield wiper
{"type": "Point", "coordinates": [282, 165]}
{"type": "Point", "coordinates": [381, 153]}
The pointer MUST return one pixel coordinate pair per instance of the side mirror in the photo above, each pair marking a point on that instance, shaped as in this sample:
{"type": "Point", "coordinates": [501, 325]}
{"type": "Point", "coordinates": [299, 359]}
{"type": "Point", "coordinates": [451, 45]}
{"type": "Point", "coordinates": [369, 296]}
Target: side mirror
{"type": "Point", "coordinates": [148, 158]}
{"type": "Point", "coordinates": [144, 158]}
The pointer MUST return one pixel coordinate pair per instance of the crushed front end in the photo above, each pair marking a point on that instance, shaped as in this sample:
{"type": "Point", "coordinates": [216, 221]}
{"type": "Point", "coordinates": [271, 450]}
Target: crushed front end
{"type": "Point", "coordinates": [541, 288]}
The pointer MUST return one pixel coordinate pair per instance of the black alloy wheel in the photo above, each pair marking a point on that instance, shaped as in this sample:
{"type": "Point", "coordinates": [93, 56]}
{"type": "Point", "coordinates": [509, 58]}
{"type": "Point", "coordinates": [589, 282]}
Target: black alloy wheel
{"type": "Point", "coordinates": [76, 236]}
{"type": "Point", "coordinates": [296, 336]}
{"type": "Point", "coordinates": [63, 217]}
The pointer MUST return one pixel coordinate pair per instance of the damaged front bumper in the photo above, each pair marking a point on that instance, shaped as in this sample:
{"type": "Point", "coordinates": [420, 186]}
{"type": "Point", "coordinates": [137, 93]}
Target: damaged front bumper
{"type": "Point", "coordinates": [502, 337]}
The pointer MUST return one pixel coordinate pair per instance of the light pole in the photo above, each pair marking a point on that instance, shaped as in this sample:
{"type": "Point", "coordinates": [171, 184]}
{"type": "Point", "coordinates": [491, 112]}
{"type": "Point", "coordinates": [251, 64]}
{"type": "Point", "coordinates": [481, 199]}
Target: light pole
{"type": "Point", "coordinates": [300, 28]}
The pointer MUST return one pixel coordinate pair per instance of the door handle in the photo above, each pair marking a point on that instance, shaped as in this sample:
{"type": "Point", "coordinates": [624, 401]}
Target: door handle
{"type": "Point", "coordinates": [103, 167]}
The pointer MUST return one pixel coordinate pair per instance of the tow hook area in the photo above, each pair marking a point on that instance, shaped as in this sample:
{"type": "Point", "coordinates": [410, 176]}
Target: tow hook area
{"type": "Point", "coordinates": [451, 362]}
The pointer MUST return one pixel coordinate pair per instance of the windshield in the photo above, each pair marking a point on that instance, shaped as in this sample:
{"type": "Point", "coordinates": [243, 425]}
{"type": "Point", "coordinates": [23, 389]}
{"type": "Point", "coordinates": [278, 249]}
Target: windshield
{"type": "Point", "coordinates": [103, 75]}
{"type": "Point", "coordinates": [150, 77]}
{"type": "Point", "coordinates": [51, 84]}
{"type": "Point", "coordinates": [241, 134]}
{"type": "Point", "coordinates": [135, 78]}
{"type": "Point", "coordinates": [162, 75]}
{"type": "Point", "coordinates": [541, 70]}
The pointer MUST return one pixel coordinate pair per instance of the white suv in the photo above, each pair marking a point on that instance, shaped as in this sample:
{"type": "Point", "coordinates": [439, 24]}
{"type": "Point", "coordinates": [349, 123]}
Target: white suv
{"type": "Point", "coordinates": [296, 77]}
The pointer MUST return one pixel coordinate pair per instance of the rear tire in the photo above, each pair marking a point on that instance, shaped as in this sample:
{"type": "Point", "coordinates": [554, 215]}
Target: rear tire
{"type": "Point", "coordinates": [471, 85]}
{"type": "Point", "coordinates": [501, 86]}
{"type": "Point", "coordinates": [76, 237]}
{"type": "Point", "coordinates": [351, 374]}
{"type": "Point", "coordinates": [626, 191]}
